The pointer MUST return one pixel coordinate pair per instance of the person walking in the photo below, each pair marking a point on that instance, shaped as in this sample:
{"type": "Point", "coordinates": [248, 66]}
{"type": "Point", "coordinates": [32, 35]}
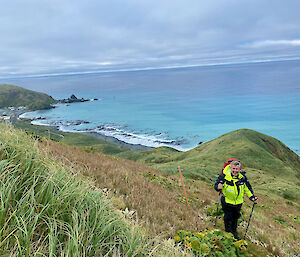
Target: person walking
{"type": "Point", "coordinates": [233, 185]}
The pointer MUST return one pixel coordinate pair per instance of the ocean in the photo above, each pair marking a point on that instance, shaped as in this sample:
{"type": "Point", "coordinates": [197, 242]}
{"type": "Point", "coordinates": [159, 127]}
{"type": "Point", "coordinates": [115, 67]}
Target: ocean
{"type": "Point", "coordinates": [177, 107]}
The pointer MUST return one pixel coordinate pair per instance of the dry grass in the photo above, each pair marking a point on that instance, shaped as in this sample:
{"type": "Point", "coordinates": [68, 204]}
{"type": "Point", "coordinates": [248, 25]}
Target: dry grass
{"type": "Point", "coordinates": [279, 238]}
{"type": "Point", "coordinates": [159, 209]}
{"type": "Point", "coordinates": [47, 210]}
{"type": "Point", "coordinates": [156, 206]}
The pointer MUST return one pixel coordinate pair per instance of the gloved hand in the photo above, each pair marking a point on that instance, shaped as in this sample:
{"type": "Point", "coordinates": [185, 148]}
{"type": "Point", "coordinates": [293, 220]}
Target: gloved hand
{"type": "Point", "coordinates": [220, 185]}
{"type": "Point", "coordinates": [254, 199]}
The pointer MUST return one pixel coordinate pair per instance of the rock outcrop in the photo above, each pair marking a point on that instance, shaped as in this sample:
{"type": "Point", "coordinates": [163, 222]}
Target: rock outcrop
{"type": "Point", "coordinates": [73, 99]}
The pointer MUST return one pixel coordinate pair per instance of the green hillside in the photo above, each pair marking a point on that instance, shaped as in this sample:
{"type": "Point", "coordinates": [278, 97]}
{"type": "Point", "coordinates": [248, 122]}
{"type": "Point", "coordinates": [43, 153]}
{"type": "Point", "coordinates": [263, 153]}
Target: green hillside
{"type": "Point", "coordinates": [47, 209]}
{"type": "Point", "coordinates": [268, 162]}
{"type": "Point", "coordinates": [16, 96]}
{"type": "Point", "coordinates": [254, 149]}
{"type": "Point", "coordinates": [272, 168]}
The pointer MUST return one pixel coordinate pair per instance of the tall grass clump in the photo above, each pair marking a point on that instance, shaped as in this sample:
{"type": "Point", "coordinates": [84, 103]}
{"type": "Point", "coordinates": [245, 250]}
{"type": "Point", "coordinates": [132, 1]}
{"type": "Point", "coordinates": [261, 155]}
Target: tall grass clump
{"type": "Point", "coordinates": [46, 210]}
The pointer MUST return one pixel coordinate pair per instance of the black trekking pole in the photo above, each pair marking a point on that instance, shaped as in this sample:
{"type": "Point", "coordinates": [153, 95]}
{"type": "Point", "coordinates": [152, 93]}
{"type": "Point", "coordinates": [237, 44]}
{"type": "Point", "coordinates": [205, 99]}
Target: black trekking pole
{"type": "Point", "coordinates": [249, 220]}
{"type": "Point", "coordinates": [217, 208]}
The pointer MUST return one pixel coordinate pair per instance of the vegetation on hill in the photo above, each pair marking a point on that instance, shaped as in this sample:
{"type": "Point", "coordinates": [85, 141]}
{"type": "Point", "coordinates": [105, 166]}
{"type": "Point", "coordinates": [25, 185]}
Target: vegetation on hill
{"type": "Point", "coordinates": [256, 150]}
{"type": "Point", "coordinates": [48, 210]}
{"type": "Point", "coordinates": [157, 200]}
{"type": "Point", "coordinates": [267, 160]}
{"type": "Point", "coordinates": [16, 96]}
{"type": "Point", "coordinates": [276, 219]}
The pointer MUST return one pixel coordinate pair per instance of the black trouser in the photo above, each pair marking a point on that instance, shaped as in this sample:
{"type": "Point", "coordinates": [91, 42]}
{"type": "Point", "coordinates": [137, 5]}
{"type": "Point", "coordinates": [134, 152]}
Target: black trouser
{"type": "Point", "coordinates": [231, 215]}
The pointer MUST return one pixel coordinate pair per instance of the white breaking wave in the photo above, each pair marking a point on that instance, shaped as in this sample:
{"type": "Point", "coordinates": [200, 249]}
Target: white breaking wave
{"type": "Point", "coordinates": [157, 140]}
{"type": "Point", "coordinates": [133, 138]}
{"type": "Point", "coordinates": [26, 115]}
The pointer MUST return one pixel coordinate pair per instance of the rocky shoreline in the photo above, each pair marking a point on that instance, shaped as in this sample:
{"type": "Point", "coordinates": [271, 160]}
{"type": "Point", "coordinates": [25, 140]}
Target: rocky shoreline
{"type": "Point", "coordinates": [135, 147]}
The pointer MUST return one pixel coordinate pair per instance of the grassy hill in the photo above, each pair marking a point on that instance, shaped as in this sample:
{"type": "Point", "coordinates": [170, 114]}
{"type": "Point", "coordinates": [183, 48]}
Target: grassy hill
{"type": "Point", "coordinates": [156, 197]}
{"type": "Point", "coordinates": [268, 162]}
{"type": "Point", "coordinates": [254, 149]}
{"type": "Point", "coordinates": [49, 209]}
{"type": "Point", "coordinates": [272, 168]}
{"type": "Point", "coordinates": [16, 96]}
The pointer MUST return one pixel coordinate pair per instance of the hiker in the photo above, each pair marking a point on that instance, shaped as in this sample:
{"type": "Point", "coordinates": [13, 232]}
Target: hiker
{"type": "Point", "coordinates": [233, 185]}
{"type": "Point", "coordinates": [226, 170]}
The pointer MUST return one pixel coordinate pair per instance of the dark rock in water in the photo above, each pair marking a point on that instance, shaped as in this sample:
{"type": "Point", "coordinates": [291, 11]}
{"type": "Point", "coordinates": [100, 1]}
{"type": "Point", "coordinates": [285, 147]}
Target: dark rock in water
{"type": "Point", "coordinates": [180, 141]}
{"type": "Point", "coordinates": [79, 122]}
{"type": "Point", "coordinates": [200, 143]}
{"type": "Point", "coordinates": [73, 123]}
{"type": "Point", "coordinates": [72, 99]}
{"type": "Point", "coordinates": [96, 99]}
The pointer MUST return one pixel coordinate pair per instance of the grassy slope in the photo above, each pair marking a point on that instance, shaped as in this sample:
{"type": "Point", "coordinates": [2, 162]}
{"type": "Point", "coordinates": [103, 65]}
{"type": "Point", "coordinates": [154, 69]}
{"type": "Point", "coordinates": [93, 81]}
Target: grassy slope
{"type": "Point", "coordinates": [273, 169]}
{"type": "Point", "coordinates": [48, 210]}
{"type": "Point", "coordinates": [266, 159]}
{"type": "Point", "coordinates": [255, 150]}
{"type": "Point", "coordinates": [275, 180]}
{"type": "Point", "coordinates": [272, 166]}
{"type": "Point", "coordinates": [16, 96]}
{"type": "Point", "coordinates": [157, 200]}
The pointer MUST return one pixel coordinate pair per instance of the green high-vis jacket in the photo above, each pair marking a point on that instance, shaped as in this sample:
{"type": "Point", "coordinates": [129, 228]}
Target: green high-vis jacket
{"type": "Point", "coordinates": [234, 188]}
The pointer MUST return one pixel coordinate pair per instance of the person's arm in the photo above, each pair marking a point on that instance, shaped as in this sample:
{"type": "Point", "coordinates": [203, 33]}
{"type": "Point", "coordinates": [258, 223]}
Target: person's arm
{"type": "Point", "coordinates": [250, 194]}
{"type": "Point", "coordinates": [219, 182]}
{"type": "Point", "coordinates": [247, 182]}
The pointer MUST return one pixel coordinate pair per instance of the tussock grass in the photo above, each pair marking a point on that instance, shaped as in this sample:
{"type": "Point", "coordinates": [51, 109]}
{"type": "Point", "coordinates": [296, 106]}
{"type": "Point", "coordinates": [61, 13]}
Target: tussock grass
{"type": "Point", "coordinates": [156, 205]}
{"type": "Point", "coordinates": [46, 210]}
{"type": "Point", "coordinates": [154, 200]}
{"type": "Point", "coordinates": [271, 167]}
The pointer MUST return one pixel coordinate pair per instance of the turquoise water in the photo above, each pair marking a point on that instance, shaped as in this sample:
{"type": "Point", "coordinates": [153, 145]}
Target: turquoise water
{"type": "Point", "coordinates": [178, 107]}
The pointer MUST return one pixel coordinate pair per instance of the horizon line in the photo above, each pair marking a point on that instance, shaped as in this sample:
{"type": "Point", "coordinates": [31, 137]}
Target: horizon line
{"type": "Point", "coordinates": [149, 68]}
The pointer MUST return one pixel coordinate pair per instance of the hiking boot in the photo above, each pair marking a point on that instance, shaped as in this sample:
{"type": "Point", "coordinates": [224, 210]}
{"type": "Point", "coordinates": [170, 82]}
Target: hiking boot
{"type": "Point", "coordinates": [236, 236]}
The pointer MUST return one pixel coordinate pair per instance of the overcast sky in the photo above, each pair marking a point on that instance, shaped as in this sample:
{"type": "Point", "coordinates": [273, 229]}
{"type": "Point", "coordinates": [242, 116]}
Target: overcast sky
{"type": "Point", "coordinates": [57, 36]}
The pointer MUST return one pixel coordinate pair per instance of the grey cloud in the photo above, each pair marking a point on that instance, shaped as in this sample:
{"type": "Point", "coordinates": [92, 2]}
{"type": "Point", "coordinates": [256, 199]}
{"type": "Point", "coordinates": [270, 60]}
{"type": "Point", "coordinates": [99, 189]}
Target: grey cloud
{"type": "Point", "coordinates": [63, 35]}
{"type": "Point", "coordinates": [268, 43]}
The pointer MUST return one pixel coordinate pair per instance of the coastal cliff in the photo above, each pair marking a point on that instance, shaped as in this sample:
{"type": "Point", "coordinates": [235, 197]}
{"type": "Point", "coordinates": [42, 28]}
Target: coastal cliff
{"type": "Point", "coordinates": [16, 96]}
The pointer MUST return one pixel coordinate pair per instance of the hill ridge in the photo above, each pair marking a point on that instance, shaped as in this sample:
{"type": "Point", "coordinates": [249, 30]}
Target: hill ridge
{"type": "Point", "coordinates": [278, 195]}
{"type": "Point", "coordinates": [16, 96]}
